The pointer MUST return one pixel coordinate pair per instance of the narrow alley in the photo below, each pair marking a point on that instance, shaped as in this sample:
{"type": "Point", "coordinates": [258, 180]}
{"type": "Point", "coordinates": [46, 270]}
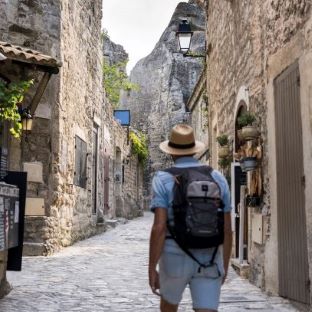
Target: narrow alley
{"type": "Point", "coordinates": [108, 273]}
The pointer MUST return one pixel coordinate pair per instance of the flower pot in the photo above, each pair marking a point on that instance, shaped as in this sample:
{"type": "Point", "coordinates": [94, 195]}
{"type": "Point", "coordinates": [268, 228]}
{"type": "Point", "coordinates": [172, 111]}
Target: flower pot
{"type": "Point", "coordinates": [242, 165]}
{"type": "Point", "coordinates": [223, 151]}
{"type": "Point", "coordinates": [250, 133]}
{"type": "Point", "coordinates": [240, 135]}
{"type": "Point", "coordinates": [250, 163]}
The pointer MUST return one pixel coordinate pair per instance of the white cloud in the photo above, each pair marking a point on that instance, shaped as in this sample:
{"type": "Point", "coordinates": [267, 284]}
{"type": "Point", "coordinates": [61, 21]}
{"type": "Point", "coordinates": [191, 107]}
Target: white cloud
{"type": "Point", "coordinates": [137, 24]}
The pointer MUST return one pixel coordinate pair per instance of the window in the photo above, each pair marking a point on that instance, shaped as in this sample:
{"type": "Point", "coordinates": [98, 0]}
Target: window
{"type": "Point", "coordinates": [80, 174]}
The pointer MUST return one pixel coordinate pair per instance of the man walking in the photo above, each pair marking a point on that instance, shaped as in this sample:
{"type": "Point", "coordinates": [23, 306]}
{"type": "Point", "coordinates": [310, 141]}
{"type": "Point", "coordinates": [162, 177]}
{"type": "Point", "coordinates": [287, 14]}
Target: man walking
{"type": "Point", "coordinates": [191, 235]}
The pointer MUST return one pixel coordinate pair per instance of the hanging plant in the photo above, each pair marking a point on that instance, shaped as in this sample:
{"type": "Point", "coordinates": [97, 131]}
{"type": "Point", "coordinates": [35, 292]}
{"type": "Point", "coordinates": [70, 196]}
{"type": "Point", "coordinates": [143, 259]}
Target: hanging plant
{"type": "Point", "coordinates": [223, 140]}
{"type": "Point", "coordinates": [11, 96]}
{"type": "Point", "coordinates": [223, 150]}
{"type": "Point", "coordinates": [139, 145]}
{"type": "Point", "coordinates": [246, 119]}
{"type": "Point", "coordinates": [248, 130]}
{"type": "Point", "coordinates": [224, 162]}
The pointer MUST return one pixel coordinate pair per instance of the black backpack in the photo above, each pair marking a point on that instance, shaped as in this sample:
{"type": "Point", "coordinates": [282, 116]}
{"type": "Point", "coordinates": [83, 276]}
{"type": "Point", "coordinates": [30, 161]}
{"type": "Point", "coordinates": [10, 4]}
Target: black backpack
{"type": "Point", "coordinates": [198, 215]}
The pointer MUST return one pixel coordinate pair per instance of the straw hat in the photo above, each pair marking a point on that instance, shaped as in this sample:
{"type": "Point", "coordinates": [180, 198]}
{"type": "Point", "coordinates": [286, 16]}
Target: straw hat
{"type": "Point", "coordinates": [182, 142]}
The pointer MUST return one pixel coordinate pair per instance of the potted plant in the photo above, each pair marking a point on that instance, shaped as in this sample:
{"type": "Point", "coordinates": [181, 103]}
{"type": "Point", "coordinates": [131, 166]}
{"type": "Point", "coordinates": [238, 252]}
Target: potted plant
{"type": "Point", "coordinates": [246, 123]}
{"type": "Point", "coordinates": [224, 149]}
{"type": "Point", "coordinates": [248, 156]}
{"type": "Point", "coordinates": [224, 162]}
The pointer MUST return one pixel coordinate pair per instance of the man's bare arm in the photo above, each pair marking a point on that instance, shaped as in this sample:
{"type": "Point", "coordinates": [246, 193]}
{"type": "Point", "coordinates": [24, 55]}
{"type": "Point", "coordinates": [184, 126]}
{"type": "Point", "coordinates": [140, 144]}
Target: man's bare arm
{"type": "Point", "coordinates": [157, 240]}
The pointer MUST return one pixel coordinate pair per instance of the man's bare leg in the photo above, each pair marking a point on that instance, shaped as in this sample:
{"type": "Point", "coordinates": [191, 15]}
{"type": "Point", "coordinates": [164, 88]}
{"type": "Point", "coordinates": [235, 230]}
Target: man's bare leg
{"type": "Point", "coordinates": [167, 307]}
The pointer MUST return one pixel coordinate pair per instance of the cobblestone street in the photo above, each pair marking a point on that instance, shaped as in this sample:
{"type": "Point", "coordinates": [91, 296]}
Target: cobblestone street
{"type": "Point", "coordinates": [108, 272]}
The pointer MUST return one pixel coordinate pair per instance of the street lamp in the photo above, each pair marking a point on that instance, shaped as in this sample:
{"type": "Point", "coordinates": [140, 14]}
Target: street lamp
{"type": "Point", "coordinates": [27, 120]}
{"type": "Point", "coordinates": [184, 35]}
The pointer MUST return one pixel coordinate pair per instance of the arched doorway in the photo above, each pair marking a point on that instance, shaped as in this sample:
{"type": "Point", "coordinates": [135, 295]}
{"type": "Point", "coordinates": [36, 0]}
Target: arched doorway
{"type": "Point", "coordinates": [238, 179]}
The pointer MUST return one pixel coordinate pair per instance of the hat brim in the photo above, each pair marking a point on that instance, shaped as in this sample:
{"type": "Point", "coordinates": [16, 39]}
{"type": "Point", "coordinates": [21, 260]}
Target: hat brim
{"type": "Point", "coordinates": [199, 146]}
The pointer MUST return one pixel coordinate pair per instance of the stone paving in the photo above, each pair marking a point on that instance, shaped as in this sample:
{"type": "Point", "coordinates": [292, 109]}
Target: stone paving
{"type": "Point", "coordinates": [108, 272]}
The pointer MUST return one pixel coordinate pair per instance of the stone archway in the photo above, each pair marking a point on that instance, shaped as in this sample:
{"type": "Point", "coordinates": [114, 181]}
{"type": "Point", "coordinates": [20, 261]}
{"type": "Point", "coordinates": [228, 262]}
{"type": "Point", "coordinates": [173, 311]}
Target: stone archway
{"type": "Point", "coordinates": [237, 177]}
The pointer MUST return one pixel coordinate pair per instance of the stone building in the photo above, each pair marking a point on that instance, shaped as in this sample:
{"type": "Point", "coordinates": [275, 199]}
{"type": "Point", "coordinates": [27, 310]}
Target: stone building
{"type": "Point", "coordinates": [197, 106]}
{"type": "Point", "coordinates": [17, 64]}
{"type": "Point", "coordinates": [76, 151]}
{"type": "Point", "coordinates": [259, 60]}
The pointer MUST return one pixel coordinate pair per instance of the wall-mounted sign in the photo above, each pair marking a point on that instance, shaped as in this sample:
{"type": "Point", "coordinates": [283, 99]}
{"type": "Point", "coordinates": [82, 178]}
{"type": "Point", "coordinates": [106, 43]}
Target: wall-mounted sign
{"type": "Point", "coordinates": [122, 116]}
{"type": "Point", "coordinates": [9, 216]}
{"type": "Point", "coordinates": [3, 162]}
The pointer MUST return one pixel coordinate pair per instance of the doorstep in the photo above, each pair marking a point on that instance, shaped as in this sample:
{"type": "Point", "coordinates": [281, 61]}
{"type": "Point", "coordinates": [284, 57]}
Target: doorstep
{"type": "Point", "coordinates": [242, 269]}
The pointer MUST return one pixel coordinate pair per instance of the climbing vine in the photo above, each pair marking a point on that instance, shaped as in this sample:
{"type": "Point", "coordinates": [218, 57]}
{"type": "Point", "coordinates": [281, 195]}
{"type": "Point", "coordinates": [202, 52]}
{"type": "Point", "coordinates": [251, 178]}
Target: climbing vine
{"type": "Point", "coordinates": [139, 145]}
{"type": "Point", "coordinates": [115, 80]}
{"type": "Point", "coordinates": [11, 95]}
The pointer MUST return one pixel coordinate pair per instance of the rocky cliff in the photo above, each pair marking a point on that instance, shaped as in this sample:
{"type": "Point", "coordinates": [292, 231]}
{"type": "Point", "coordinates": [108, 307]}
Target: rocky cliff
{"type": "Point", "coordinates": [113, 53]}
{"type": "Point", "coordinates": [166, 81]}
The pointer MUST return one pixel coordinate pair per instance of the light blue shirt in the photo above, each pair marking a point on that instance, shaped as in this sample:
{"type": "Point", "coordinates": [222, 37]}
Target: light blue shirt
{"type": "Point", "coordinates": [163, 183]}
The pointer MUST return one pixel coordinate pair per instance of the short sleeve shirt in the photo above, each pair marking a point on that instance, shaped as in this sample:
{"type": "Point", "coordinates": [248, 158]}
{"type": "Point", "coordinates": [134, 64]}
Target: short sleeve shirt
{"type": "Point", "coordinates": [163, 183]}
{"type": "Point", "coordinates": [162, 197]}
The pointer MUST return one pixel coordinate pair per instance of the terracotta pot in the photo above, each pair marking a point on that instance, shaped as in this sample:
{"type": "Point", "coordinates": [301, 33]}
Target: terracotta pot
{"type": "Point", "coordinates": [250, 133]}
{"type": "Point", "coordinates": [223, 151]}
{"type": "Point", "coordinates": [240, 135]}
{"type": "Point", "coordinates": [250, 163]}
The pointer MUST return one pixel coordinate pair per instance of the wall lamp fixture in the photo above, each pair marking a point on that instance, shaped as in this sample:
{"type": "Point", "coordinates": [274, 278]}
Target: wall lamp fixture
{"type": "Point", "coordinates": [185, 35]}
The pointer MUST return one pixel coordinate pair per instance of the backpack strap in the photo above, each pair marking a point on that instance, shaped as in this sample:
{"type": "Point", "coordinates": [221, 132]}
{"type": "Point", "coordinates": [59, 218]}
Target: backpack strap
{"type": "Point", "coordinates": [178, 171]}
{"type": "Point", "coordinates": [188, 252]}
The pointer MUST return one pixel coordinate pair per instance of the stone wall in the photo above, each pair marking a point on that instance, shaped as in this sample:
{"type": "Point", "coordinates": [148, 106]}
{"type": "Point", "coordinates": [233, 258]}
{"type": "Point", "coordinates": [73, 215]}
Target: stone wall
{"type": "Point", "coordinates": [79, 112]}
{"type": "Point", "coordinates": [72, 105]}
{"type": "Point", "coordinates": [125, 171]}
{"type": "Point", "coordinates": [247, 42]}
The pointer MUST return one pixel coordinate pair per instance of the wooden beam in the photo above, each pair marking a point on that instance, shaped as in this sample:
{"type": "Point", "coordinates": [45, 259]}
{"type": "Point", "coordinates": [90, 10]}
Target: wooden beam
{"type": "Point", "coordinates": [39, 92]}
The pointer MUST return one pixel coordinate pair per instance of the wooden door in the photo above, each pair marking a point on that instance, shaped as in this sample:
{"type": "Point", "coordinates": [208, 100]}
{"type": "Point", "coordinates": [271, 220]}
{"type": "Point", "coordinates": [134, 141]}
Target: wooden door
{"type": "Point", "coordinates": [292, 233]}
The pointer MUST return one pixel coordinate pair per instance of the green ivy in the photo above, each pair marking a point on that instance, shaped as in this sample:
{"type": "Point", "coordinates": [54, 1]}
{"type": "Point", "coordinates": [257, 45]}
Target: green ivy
{"type": "Point", "coordinates": [139, 145]}
{"type": "Point", "coordinates": [11, 95]}
{"type": "Point", "coordinates": [115, 80]}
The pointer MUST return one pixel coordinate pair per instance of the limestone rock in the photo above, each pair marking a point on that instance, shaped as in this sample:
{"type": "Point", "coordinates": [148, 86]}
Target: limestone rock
{"type": "Point", "coordinates": [113, 53]}
{"type": "Point", "coordinates": [166, 80]}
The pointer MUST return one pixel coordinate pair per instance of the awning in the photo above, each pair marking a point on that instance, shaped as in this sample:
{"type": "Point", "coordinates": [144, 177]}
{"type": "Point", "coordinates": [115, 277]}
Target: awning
{"type": "Point", "coordinates": [29, 56]}
{"type": "Point", "coordinates": [37, 61]}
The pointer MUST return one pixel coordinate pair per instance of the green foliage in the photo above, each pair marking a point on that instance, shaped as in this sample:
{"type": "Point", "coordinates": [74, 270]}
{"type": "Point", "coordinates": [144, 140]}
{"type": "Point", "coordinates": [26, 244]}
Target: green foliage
{"type": "Point", "coordinates": [115, 80]}
{"type": "Point", "coordinates": [11, 95]}
{"type": "Point", "coordinates": [223, 140]}
{"type": "Point", "coordinates": [246, 119]}
{"type": "Point", "coordinates": [224, 162]}
{"type": "Point", "coordinates": [139, 145]}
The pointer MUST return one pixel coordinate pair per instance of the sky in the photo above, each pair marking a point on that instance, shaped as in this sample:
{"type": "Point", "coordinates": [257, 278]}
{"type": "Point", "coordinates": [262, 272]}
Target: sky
{"type": "Point", "coordinates": [137, 24]}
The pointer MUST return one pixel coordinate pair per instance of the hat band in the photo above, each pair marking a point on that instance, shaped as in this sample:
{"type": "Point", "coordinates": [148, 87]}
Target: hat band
{"type": "Point", "coordinates": [181, 146]}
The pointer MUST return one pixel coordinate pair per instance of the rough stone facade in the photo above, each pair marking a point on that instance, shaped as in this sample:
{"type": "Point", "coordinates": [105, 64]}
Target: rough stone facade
{"type": "Point", "coordinates": [198, 108]}
{"type": "Point", "coordinates": [166, 80]}
{"type": "Point", "coordinates": [125, 172]}
{"type": "Point", "coordinates": [249, 43]}
{"type": "Point", "coordinates": [73, 111]}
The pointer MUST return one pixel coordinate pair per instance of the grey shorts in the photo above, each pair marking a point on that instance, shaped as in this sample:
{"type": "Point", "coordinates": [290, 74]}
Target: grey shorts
{"type": "Point", "coordinates": [177, 270]}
